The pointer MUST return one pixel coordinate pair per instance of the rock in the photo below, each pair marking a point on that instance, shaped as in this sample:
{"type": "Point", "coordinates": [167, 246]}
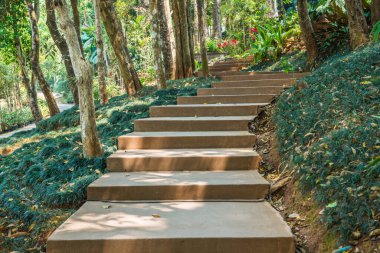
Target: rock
{"type": "Point", "coordinates": [375, 232]}
{"type": "Point", "coordinates": [294, 216]}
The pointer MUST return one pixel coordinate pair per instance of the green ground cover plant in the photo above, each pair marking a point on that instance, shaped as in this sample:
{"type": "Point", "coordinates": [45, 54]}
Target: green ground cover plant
{"type": "Point", "coordinates": [328, 129]}
{"type": "Point", "coordinates": [45, 180]}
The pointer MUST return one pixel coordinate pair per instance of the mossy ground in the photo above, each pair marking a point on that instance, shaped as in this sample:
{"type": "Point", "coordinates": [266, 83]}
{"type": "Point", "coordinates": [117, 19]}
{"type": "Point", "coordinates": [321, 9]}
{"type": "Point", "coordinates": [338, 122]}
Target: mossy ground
{"type": "Point", "coordinates": [43, 174]}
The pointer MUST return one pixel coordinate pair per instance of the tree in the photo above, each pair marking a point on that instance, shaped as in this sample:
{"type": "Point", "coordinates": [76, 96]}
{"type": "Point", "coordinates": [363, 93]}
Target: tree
{"type": "Point", "coordinates": [375, 11]}
{"type": "Point", "coordinates": [357, 23]}
{"type": "Point", "coordinates": [196, 24]}
{"type": "Point", "coordinates": [60, 42]}
{"type": "Point", "coordinates": [35, 59]}
{"type": "Point", "coordinates": [100, 51]}
{"type": "Point", "coordinates": [183, 56]}
{"type": "Point", "coordinates": [217, 32]}
{"type": "Point", "coordinates": [201, 19]}
{"type": "Point", "coordinates": [307, 32]}
{"type": "Point", "coordinates": [172, 40]}
{"type": "Point", "coordinates": [115, 33]}
{"type": "Point", "coordinates": [165, 38]}
{"type": "Point", "coordinates": [157, 43]}
{"type": "Point", "coordinates": [83, 72]}
{"type": "Point", "coordinates": [76, 17]}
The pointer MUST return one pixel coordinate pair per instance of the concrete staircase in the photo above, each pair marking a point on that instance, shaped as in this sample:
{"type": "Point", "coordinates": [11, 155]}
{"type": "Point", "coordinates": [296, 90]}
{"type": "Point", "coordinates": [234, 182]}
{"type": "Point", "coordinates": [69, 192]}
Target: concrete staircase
{"type": "Point", "coordinates": [186, 180]}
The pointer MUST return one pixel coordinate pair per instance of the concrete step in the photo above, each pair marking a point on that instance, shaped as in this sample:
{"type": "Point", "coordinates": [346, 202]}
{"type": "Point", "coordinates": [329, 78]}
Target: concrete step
{"type": "Point", "coordinates": [173, 227]}
{"type": "Point", "coordinates": [226, 99]}
{"type": "Point", "coordinates": [204, 110]}
{"type": "Point", "coordinates": [258, 73]}
{"type": "Point", "coordinates": [222, 123]}
{"type": "Point", "coordinates": [241, 90]}
{"type": "Point", "coordinates": [244, 77]}
{"type": "Point", "coordinates": [217, 159]}
{"type": "Point", "coordinates": [286, 82]}
{"type": "Point", "coordinates": [180, 140]}
{"type": "Point", "coordinates": [225, 68]}
{"type": "Point", "coordinates": [179, 186]}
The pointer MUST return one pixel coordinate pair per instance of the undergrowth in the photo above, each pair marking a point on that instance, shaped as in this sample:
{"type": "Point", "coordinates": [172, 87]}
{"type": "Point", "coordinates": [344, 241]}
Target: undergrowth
{"type": "Point", "coordinates": [44, 181]}
{"type": "Point", "coordinates": [328, 129]}
{"type": "Point", "coordinates": [294, 61]}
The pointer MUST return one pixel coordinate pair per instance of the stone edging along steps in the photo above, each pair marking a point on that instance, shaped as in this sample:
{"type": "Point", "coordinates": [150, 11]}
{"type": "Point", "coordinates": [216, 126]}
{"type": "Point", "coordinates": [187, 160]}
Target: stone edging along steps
{"type": "Point", "coordinates": [186, 180]}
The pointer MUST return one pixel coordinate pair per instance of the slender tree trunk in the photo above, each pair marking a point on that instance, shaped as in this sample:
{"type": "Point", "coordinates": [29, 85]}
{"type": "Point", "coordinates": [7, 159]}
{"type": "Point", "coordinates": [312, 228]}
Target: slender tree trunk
{"type": "Point", "coordinates": [83, 73]}
{"type": "Point", "coordinates": [196, 24]}
{"type": "Point", "coordinates": [119, 45]}
{"type": "Point", "coordinates": [375, 11]}
{"type": "Point", "coordinates": [60, 42]}
{"type": "Point", "coordinates": [307, 32]}
{"type": "Point", "coordinates": [74, 7]}
{"type": "Point", "coordinates": [165, 38]}
{"type": "Point", "coordinates": [100, 51]}
{"type": "Point", "coordinates": [357, 23]}
{"type": "Point", "coordinates": [184, 65]}
{"type": "Point", "coordinates": [157, 44]}
{"type": "Point", "coordinates": [201, 12]}
{"type": "Point", "coordinates": [35, 62]}
{"type": "Point", "coordinates": [29, 86]}
{"type": "Point", "coordinates": [168, 16]}
{"type": "Point", "coordinates": [216, 19]}
{"type": "Point", "coordinates": [190, 28]}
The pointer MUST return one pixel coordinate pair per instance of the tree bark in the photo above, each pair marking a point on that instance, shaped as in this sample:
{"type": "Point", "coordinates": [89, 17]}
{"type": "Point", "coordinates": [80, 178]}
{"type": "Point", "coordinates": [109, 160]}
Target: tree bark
{"type": "Point", "coordinates": [118, 41]}
{"type": "Point", "coordinates": [100, 51]}
{"type": "Point", "coordinates": [74, 7]}
{"type": "Point", "coordinates": [357, 23]}
{"type": "Point", "coordinates": [83, 73]}
{"type": "Point", "coordinates": [165, 38]}
{"type": "Point", "coordinates": [29, 86]}
{"type": "Point", "coordinates": [157, 44]}
{"type": "Point", "coordinates": [375, 11]}
{"type": "Point", "coordinates": [216, 20]}
{"type": "Point", "coordinates": [35, 61]}
{"type": "Point", "coordinates": [183, 64]}
{"type": "Point", "coordinates": [60, 42]}
{"type": "Point", "coordinates": [203, 48]}
{"type": "Point", "coordinates": [196, 24]}
{"type": "Point", "coordinates": [168, 16]}
{"type": "Point", "coordinates": [307, 33]}
{"type": "Point", "coordinates": [190, 28]}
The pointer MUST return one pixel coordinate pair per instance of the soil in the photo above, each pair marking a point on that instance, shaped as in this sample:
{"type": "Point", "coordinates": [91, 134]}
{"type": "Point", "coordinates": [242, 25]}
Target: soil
{"type": "Point", "coordinates": [299, 210]}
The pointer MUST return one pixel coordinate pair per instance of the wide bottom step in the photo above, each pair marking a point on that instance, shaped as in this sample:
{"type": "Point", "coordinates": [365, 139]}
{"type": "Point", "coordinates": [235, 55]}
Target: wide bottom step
{"type": "Point", "coordinates": [173, 227]}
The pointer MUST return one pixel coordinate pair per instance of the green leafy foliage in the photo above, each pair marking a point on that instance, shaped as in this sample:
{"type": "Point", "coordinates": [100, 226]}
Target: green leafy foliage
{"type": "Point", "coordinates": [42, 182]}
{"type": "Point", "coordinates": [328, 130]}
{"type": "Point", "coordinates": [376, 31]}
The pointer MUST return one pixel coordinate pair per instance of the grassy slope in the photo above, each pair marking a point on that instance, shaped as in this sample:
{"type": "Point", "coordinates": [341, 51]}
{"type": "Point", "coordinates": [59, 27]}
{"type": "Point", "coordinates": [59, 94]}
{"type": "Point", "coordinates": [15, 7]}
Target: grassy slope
{"type": "Point", "coordinates": [328, 129]}
{"type": "Point", "coordinates": [44, 179]}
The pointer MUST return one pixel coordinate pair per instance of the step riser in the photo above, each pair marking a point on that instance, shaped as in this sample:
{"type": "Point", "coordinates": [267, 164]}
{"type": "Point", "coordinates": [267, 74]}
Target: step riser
{"type": "Point", "coordinates": [258, 77]}
{"type": "Point", "coordinates": [188, 111]}
{"type": "Point", "coordinates": [240, 91]}
{"type": "Point", "coordinates": [209, 125]}
{"type": "Point", "coordinates": [225, 68]}
{"type": "Point", "coordinates": [188, 245]}
{"type": "Point", "coordinates": [127, 142]}
{"type": "Point", "coordinates": [180, 192]}
{"type": "Point", "coordinates": [245, 73]}
{"type": "Point", "coordinates": [255, 83]}
{"type": "Point", "coordinates": [118, 164]}
{"type": "Point", "coordinates": [225, 99]}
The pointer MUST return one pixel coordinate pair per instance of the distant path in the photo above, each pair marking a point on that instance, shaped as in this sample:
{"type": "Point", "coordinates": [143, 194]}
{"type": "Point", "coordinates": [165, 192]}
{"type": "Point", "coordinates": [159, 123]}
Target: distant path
{"type": "Point", "coordinates": [62, 107]}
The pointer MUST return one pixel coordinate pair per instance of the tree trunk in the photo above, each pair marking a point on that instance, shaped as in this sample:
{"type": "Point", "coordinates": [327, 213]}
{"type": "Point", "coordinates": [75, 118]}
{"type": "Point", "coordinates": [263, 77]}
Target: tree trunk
{"type": "Point", "coordinates": [216, 20]}
{"type": "Point", "coordinates": [168, 17]}
{"type": "Point", "coordinates": [60, 42]}
{"type": "Point", "coordinates": [157, 44]}
{"type": "Point", "coordinates": [190, 28]}
{"type": "Point", "coordinates": [74, 7]}
{"type": "Point", "coordinates": [203, 48]}
{"type": "Point", "coordinates": [357, 23]}
{"type": "Point", "coordinates": [196, 24]}
{"type": "Point", "coordinates": [183, 64]}
{"type": "Point", "coordinates": [375, 11]}
{"type": "Point", "coordinates": [83, 73]}
{"type": "Point", "coordinates": [165, 38]}
{"type": "Point", "coordinates": [35, 61]}
{"type": "Point", "coordinates": [29, 86]}
{"type": "Point", "coordinates": [100, 51]}
{"type": "Point", "coordinates": [307, 32]}
{"type": "Point", "coordinates": [119, 45]}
